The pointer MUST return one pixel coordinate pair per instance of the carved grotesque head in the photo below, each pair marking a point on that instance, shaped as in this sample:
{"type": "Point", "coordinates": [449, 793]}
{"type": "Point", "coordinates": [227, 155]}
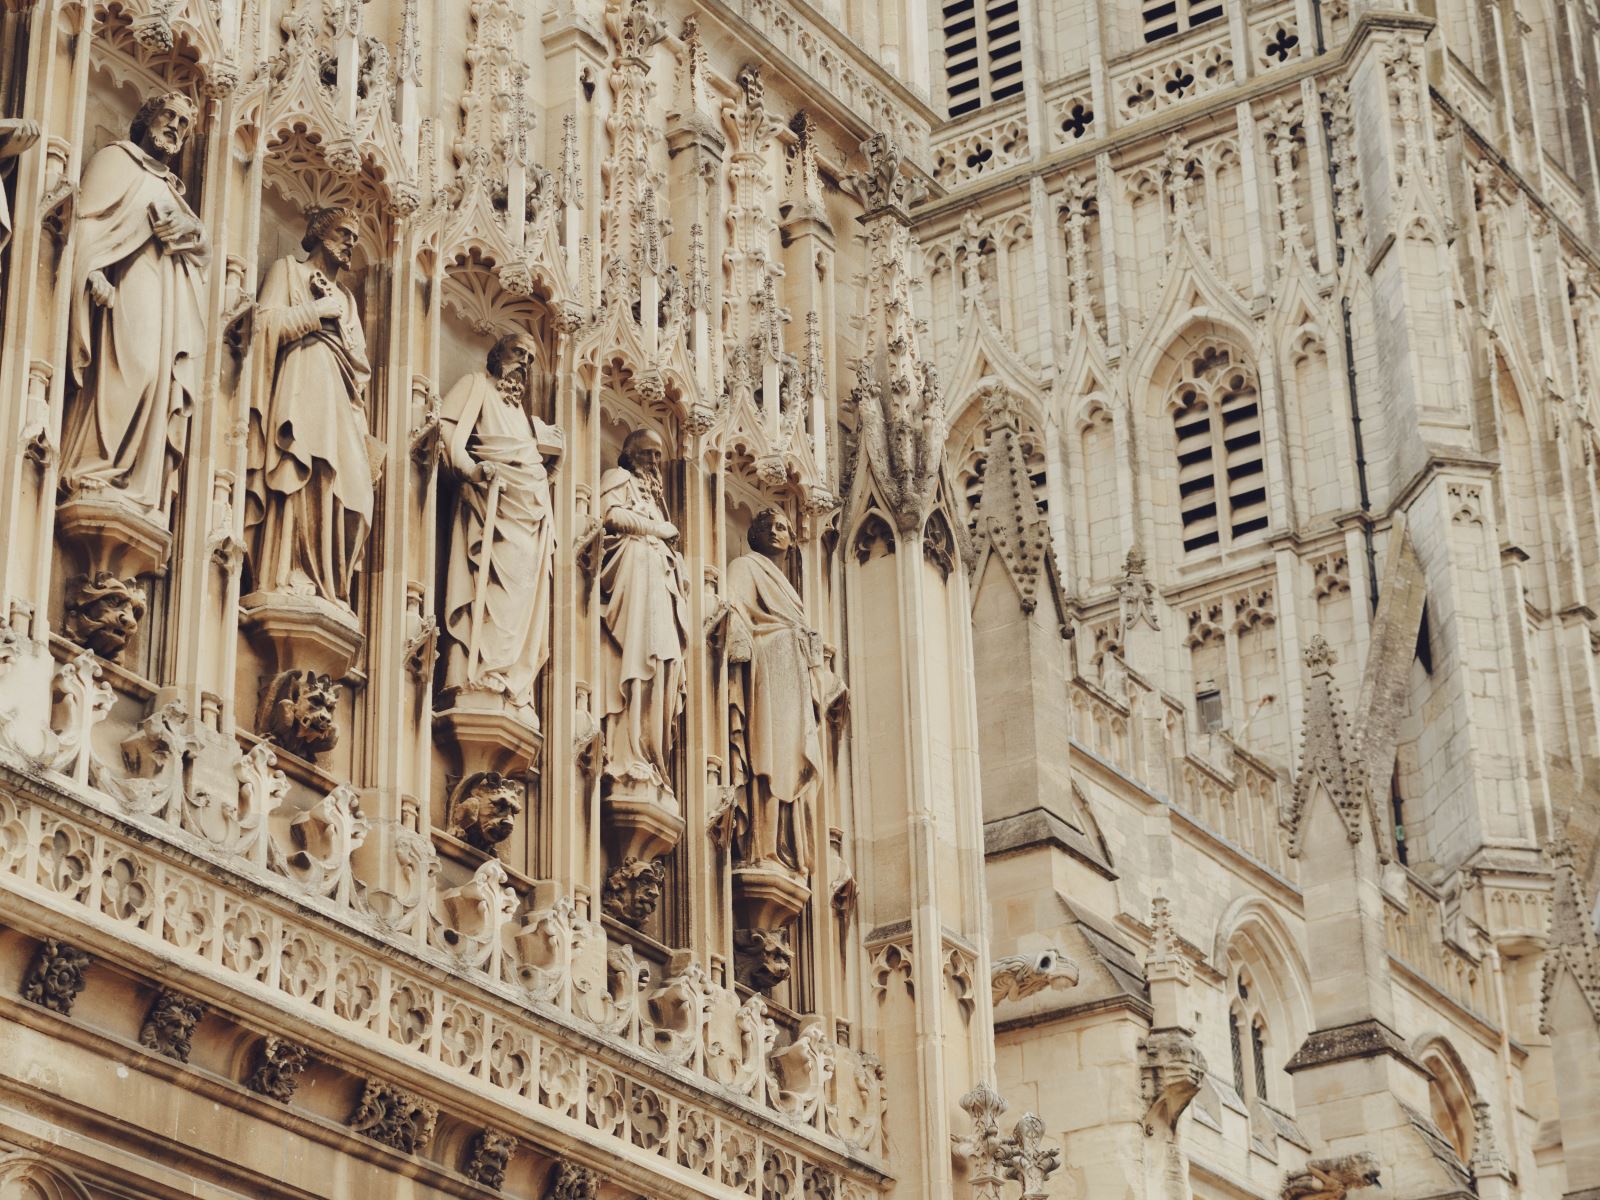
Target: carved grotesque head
{"type": "Point", "coordinates": [633, 890]}
{"type": "Point", "coordinates": [643, 453]}
{"type": "Point", "coordinates": [511, 362]}
{"type": "Point", "coordinates": [104, 613]}
{"type": "Point", "coordinates": [763, 958]}
{"type": "Point", "coordinates": [771, 533]}
{"type": "Point", "coordinates": [299, 713]}
{"type": "Point", "coordinates": [332, 235]}
{"type": "Point", "coordinates": [484, 810]}
{"type": "Point", "coordinates": [162, 124]}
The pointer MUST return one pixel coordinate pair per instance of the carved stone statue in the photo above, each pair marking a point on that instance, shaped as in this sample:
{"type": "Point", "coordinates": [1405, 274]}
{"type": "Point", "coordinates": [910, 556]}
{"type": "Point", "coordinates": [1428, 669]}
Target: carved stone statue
{"type": "Point", "coordinates": [136, 339]}
{"type": "Point", "coordinates": [642, 589]}
{"type": "Point", "coordinates": [502, 549]}
{"type": "Point", "coordinates": [779, 685]}
{"type": "Point", "coordinates": [16, 137]}
{"type": "Point", "coordinates": [312, 462]}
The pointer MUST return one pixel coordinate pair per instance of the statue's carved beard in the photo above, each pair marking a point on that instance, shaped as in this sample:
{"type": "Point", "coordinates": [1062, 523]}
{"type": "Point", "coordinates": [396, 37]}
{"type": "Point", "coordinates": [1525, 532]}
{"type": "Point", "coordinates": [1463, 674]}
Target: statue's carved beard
{"type": "Point", "coordinates": [513, 385]}
{"type": "Point", "coordinates": [650, 477]}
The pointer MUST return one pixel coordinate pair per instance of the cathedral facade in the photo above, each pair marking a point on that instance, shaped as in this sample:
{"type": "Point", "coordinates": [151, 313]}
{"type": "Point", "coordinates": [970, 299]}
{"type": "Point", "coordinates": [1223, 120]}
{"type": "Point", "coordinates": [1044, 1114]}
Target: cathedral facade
{"type": "Point", "coordinates": [613, 599]}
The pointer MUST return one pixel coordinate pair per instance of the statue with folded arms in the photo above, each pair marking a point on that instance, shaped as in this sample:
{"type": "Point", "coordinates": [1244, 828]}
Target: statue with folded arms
{"type": "Point", "coordinates": [313, 464]}
{"type": "Point", "coordinates": [501, 563]}
{"type": "Point", "coordinates": [136, 338]}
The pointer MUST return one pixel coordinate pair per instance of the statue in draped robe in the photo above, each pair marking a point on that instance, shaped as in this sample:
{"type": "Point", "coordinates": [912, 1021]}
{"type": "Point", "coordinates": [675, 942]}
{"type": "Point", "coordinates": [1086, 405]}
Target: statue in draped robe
{"type": "Point", "coordinates": [16, 137]}
{"type": "Point", "coordinates": [313, 464]}
{"type": "Point", "coordinates": [136, 335]}
{"type": "Point", "coordinates": [502, 546]}
{"type": "Point", "coordinates": [643, 615]}
{"type": "Point", "coordinates": [779, 690]}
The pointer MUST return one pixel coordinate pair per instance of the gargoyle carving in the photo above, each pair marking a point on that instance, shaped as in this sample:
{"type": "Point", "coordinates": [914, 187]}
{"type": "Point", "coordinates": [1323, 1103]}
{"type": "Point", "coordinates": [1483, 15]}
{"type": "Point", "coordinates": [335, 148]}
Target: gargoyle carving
{"type": "Point", "coordinates": [484, 810]}
{"type": "Point", "coordinates": [1019, 975]}
{"type": "Point", "coordinates": [297, 710]}
{"type": "Point", "coordinates": [1332, 1178]}
{"type": "Point", "coordinates": [1171, 1070]}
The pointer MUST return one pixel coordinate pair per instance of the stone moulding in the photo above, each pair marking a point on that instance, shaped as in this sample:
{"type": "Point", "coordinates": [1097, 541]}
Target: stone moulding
{"type": "Point", "coordinates": [521, 1035]}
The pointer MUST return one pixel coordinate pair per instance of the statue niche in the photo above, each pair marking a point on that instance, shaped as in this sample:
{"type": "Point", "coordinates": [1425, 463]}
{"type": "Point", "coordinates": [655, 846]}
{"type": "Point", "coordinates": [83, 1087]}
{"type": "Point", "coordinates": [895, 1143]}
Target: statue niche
{"type": "Point", "coordinates": [780, 690]}
{"type": "Point", "coordinates": [643, 642]}
{"type": "Point", "coordinates": [500, 565]}
{"type": "Point", "coordinates": [313, 468]}
{"type": "Point", "coordinates": [135, 350]}
{"type": "Point", "coordinates": [17, 136]}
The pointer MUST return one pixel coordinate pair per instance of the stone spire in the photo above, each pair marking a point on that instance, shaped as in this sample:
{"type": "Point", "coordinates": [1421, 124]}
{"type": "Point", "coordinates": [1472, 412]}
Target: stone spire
{"type": "Point", "coordinates": [900, 418]}
{"type": "Point", "coordinates": [1008, 517]}
{"type": "Point", "coordinates": [1327, 760]}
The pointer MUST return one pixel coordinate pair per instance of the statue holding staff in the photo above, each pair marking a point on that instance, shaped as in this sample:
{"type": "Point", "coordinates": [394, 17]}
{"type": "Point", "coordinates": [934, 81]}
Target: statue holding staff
{"type": "Point", "coordinates": [502, 548]}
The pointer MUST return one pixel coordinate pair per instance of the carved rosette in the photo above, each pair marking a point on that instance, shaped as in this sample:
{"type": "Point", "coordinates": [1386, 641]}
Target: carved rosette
{"type": "Point", "coordinates": [58, 974]}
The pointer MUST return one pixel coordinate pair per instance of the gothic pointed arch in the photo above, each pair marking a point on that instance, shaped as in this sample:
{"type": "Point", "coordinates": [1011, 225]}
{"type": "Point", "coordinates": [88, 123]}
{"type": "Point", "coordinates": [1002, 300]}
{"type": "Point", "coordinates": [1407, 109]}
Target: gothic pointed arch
{"type": "Point", "coordinates": [28, 1176]}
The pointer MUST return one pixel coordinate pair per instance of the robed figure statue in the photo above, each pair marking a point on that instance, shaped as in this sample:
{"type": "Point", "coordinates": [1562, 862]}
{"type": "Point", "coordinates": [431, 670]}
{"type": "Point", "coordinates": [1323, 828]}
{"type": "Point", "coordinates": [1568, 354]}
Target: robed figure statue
{"type": "Point", "coordinates": [502, 547]}
{"type": "Point", "coordinates": [17, 136]}
{"type": "Point", "coordinates": [136, 337]}
{"type": "Point", "coordinates": [642, 591]}
{"type": "Point", "coordinates": [779, 685]}
{"type": "Point", "coordinates": [312, 462]}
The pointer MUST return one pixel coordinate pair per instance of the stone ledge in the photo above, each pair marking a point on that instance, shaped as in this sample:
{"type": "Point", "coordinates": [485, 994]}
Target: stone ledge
{"type": "Point", "coordinates": [1344, 1043]}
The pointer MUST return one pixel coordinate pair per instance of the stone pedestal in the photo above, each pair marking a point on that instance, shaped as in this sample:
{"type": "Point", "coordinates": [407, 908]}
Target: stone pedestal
{"type": "Point", "coordinates": [490, 734]}
{"type": "Point", "coordinates": [643, 823]}
{"type": "Point", "coordinates": [116, 544]}
{"type": "Point", "coordinates": [306, 633]}
{"type": "Point", "coordinates": [767, 897]}
{"type": "Point", "coordinates": [114, 537]}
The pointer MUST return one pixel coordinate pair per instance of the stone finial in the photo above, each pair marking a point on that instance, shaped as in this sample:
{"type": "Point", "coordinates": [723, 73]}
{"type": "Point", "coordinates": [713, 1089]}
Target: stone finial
{"type": "Point", "coordinates": [1136, 595]}
{"type": "Point", "coordinates": [984, 1148]}
{"type": "Point", "coordinates": [1028, 1160]}
{"type": "Point", "coordinates": [1332, 1178]}
{"type": "Point", "coordinates": [883, 187]}
{"type": "Point", "coordinates": [1319, 655]}
{"type": "Point", "coordinates": [1166, 959]}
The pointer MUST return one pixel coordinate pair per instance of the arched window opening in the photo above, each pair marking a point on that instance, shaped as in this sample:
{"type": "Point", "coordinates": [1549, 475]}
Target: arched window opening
{"type": "Point", "coordinates": [1236, 1043]}
{"type": "Point", "coordinates": [1258, 1053]}
{"type": "Point", "coordinates": [972, 465]}
{"type": "Point", "coordinates": [1222, 482]}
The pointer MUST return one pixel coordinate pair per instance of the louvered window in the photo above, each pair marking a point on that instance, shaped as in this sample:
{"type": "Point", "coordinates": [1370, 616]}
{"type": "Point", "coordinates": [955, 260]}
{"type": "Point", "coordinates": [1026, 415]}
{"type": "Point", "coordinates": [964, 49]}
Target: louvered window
{"type": "Point", "coordinates": [982, 52]}
{"type": "Point", "coordinates": [1166, 18]}
{"type": "Point", "coordinates": [1222, 483]}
